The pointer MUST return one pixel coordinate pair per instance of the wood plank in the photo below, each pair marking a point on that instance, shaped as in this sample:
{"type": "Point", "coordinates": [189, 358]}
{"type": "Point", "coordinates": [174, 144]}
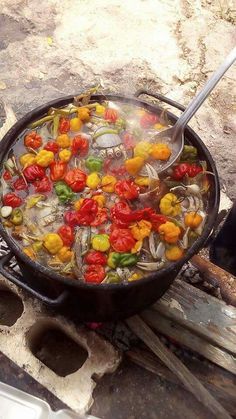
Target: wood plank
{"type": "Point", "coordinates": [138, 326]}
{"type": "Point", "coordinates": [185, 337]}
{"type": "Point", "coordinates": [201, 313]}
{"type": "Point", "coordinates": [222, 388]}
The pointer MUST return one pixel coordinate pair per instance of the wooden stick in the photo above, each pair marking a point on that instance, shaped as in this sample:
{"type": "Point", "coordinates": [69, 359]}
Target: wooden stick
{"type": "Point", "coordinates": [138, 326]}
{"type": "Point", "coordinates": [222, 388]}
{"type": "Point", "coordinates": [189, 340]}
{"type": "Point", "coordinates": [217, 276]}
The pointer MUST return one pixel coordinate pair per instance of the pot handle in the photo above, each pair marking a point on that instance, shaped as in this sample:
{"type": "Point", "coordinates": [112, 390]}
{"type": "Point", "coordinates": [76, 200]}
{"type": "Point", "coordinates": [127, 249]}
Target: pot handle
{"type": "Point", "coordinates": [160, 97]}
{"type": "Point", "coordinates": [18, 280]}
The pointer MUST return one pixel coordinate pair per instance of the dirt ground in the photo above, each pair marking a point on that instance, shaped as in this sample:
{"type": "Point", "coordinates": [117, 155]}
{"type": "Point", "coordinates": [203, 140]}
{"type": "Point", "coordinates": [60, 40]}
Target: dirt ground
{"type": "Point", "coordinates": [51, 48]}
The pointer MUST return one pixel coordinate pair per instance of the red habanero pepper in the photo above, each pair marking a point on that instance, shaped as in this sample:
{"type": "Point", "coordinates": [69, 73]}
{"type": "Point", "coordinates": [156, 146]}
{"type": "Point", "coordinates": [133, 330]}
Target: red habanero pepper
{"type": "Point", "coordinates": [106, 165]}
{"type": "Point", "coordinates": [122, 240]}
{"type": "Point", "coordinates": [51, 146]}
{"type": "Point", "coordinates": [184, 169]}
{"type": "Point", "coordinates": [87, 212]}
{"type": "Point", "coordinates": [33, 172]}
{"type": "Point", "coordinates": [94, 274]}
{"type": "Point", "coordinates": [101, 217]}
{"type": "Point", "coordinates": [67, 235]}
{"type": "Point", "coordinates": [148, 119]}
{"type": "Point", "coordinates": [80, 146]}
{"type": "Point", "coordinates": [7, 175]}
{"type": "Point", "coordinates": [64, 125]}
{"type": "Point", "coordinates": [129, 141]}
{"type": "Point", "coordinates": [20, 185]}
{"type": "Point", "coordinates": [12, 200]}
{"type": "Point", "coordinates": [57, 170]}
{"type": "Point", "coordinates": [180, 171]}
{"type": "Point", "coordinates": [119, 171]}
{"type": "Point", "coordinates": [76, 179]}
{"type": "Point", "coordinates": [122, 215]}
{"type": "Point", "coordinates": [127, 189]}
{"type": "Point", "coordinates": [116, 171]}
{"type": "Point", "coordinates": [94, 257]}
{"type": "Point", "coordinates": [194, 169]}
{"type": "Point", "coordinates": [70, 218]}
{"type": "Point", "coordinates": [111, 115]}
{"type": "Point", "coordinates": [156, 220]}
{"type": "Point", "coordinates": [33, 140]}
{"type": "Point", "coordinates": [43, 185]}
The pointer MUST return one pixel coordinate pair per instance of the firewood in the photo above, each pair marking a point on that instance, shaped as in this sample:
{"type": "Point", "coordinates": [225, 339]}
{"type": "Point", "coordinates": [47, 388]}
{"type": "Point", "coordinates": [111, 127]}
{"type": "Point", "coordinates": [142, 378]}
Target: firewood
{"type": "Point", "coordinates": [217, 277]}
{"type": "Point", "coordinates": [221, 386]}
{"type": "Point", "coordinates": [138, 326]}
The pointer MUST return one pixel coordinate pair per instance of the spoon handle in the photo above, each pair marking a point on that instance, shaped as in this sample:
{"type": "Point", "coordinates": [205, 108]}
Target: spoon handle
{"type": "Point", "coordinates": [203, 94]}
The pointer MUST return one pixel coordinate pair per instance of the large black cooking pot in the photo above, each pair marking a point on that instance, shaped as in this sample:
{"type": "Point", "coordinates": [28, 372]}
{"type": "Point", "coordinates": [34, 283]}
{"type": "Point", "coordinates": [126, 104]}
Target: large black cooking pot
{"type": "Point", "coordinates": [91, 302]}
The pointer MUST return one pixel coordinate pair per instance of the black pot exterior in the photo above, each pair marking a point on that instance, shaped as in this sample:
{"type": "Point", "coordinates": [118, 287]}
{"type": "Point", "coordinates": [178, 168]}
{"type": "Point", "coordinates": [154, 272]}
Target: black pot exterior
{"type": "Point", "coordinates": [97, 304]}
{"type": "Point", "coordinates": [91, 302]}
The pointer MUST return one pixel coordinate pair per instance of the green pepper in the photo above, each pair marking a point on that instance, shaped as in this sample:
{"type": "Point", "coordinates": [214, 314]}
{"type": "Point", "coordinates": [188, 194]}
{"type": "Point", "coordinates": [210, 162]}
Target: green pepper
{"type": "Point", "coordinates": [128, 259]}
{"type": "Point", "coordinates": [120, 124]}
{"type": "Point", "coordinates": [16, 217]}
{"type": "Point", "coordinates": [37, 246]}
{"type": "Point", "coordinates": [121, 259]}
{"type": "Point", "coordinates": [189, 153]}
{"type": "Point", "coordinates": [94, 164]}
{"type": "Point", "coordinates": [64, 192]}
{"type": "Point", "coordinates": [112, 278]}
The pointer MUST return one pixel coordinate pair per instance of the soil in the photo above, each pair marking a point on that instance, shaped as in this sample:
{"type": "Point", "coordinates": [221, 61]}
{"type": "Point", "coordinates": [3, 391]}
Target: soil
{"type": "Point", "coordinates": [56, 48]}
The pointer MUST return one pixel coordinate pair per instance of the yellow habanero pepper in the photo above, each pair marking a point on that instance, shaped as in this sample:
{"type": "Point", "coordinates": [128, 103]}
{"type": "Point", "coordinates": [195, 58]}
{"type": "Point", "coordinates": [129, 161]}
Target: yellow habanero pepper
{"type": "Point", "coordinates": [169, 232]}
{"type": "Point", "coordinates": [44, 158]}
{"type": "Point", "coordinates": [65, 254]}
{"type": "Point", "coordinates": [101, 242]}
{"type": "Point", "coordinates": [141, 229]}
{"type": "Point", "coordinates": [29, 251]}
{"type": "Point", "coordinates": [192, 219]}
{"type": "Point", "coordinates": [134, 165]}
{"type": "Point", "coordinates": [108, 183]}
{"type": "Point", "coordinates": [142, 181]}
{"type": "Point", "coordinates": [159, 127]}
{"type": "Point", "coordinates": [53, 243]}
{"type": "Point", "coordinates": [160, 151]}
{"type": "Point", "coordinates": [174, 253]}
{"type": "Point", "coordinates": [135, 277]}
{"type": "Point", "coordinates": [100, 199]}
{"type": "Point", "coordinates": [75, 124]}
{"type": "Point", "coordinates": [137, 247]}
{"type": "Point", "coordinates": [63, 141]}
{"type": "Point", "coordinates": [93, 180]}
{"type": "Point", "coordinates": [169, 205]}
{"type": "Point", "coordinates": [27, 159]}
{"type": "Point", "coordinates": [142, 149]}
{"type": "Point", "coordinates": [84, 114]}
{"type": "Point", "coordinates": [100, 109]}
{"type": "Point", "coordinates": [65, 155]}
{"type": "Point", "coordinates": [140, 112]}
{"type": "Point", "coordinates": [78, 204]}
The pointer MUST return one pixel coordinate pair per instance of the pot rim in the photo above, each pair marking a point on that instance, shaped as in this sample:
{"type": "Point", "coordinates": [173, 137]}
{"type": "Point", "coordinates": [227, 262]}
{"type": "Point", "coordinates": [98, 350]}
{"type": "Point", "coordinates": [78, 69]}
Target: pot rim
{"type": "Point", "coordinates": [11, 136]}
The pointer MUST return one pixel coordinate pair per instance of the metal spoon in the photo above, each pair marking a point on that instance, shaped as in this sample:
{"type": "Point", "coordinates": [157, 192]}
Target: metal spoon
{"type": "Point", "coordinates": [175, 134]}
